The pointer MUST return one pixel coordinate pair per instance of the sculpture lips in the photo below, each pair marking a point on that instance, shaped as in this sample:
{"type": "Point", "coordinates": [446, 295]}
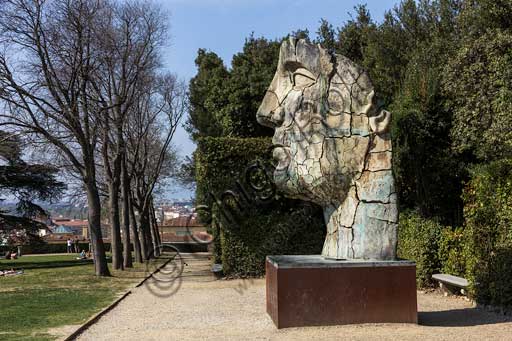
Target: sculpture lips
{"type": "Point", "coordinates": [282, 155]}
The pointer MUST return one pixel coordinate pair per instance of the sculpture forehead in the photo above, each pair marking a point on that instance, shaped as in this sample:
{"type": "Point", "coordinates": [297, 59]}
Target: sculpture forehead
{"type": "Point", "coordinates": [349, 86]}
{"type": "Point", "coordinates": [295, 54]}
{"type": "Point", "coordinates": [338, 69]}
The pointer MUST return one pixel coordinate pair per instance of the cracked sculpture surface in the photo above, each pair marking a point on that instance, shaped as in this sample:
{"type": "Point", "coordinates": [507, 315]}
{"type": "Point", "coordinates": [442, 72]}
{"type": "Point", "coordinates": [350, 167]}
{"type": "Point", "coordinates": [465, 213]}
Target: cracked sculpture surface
{"type": "Point", "coordinates": [333, 148]}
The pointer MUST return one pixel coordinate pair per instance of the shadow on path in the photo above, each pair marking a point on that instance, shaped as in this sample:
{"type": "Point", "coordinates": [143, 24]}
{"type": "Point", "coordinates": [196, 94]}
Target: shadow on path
{"type": "Point", "coordinates": [460, 318]}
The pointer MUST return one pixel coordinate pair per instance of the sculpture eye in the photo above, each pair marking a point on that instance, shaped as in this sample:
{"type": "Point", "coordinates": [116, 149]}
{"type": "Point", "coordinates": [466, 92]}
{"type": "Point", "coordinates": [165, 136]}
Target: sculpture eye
{"type": "Point", "coordinates": [302, 78]}
{"type": "Point", "coordinates": [307, 114]}
{"type": "Point", "coordinates": [335, 102]}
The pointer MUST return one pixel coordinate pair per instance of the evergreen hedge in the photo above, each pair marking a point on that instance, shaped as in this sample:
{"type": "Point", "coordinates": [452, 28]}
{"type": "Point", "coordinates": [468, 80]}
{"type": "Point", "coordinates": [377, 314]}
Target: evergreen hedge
{"type": "Point", "coordinates": [488, 218]}
{"type": "Point", "coordinates": [418, 240]}
{"type": "Point", "coordinates": [481, 250]}
{"type": "Point", "coordinates": [434, 247]}
{"type": "Point", "coordinates": [452, 251]}
{"type": "Point", "coordinates": [249, 218]}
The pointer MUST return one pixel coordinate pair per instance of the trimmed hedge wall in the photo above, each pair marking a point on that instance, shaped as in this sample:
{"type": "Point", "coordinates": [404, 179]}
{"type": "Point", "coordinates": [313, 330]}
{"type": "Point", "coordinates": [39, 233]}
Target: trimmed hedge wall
{"type": "Point", "coordinates": [434, 247]}
{"type": "Point", "coordinates": [249, 218]}
{"type": "Point", "coordinates": [488, 217]}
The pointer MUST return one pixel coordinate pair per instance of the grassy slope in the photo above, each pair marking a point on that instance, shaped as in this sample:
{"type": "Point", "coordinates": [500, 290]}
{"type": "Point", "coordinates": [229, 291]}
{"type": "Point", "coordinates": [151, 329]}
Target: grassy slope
{"type": "Point", "coordinates": [55, 291]}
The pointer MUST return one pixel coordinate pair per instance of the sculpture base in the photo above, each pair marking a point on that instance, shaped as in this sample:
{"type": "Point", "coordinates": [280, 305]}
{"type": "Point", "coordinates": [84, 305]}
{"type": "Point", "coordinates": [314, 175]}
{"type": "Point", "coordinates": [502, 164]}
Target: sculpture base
{"type": "Point", "coordinates": [313, 291]}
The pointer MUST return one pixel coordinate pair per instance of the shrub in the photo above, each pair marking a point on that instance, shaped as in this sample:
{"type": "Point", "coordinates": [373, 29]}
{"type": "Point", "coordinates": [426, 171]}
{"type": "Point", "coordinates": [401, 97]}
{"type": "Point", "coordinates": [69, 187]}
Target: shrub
{"type": "Point", "coordinates": [249, 217]}
{"type": "Point", "coordinates": [418, 240]}
{"type": "Point", "coordinates": [488, 216]}
{"type": "Point", "coordinates": [262, 231]}
{"type": "Point", "coordinates": [452, 251]}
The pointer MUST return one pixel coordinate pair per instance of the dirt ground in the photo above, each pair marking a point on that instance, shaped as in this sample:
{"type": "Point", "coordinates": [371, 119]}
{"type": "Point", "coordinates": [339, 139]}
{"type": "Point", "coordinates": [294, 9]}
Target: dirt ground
{"type": "Point", "coordinates": [194, 306]}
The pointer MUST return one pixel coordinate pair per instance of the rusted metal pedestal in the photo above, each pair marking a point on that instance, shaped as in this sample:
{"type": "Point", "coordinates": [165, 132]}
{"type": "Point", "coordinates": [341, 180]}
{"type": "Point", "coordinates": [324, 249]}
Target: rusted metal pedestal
{"type": "Point", "coordinates": [313, 291]}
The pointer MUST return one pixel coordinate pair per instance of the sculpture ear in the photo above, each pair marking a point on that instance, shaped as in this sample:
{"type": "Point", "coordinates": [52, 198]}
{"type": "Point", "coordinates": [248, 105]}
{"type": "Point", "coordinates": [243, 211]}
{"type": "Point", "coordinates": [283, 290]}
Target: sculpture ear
{"type": "Point", "coordinates": [380, 124]}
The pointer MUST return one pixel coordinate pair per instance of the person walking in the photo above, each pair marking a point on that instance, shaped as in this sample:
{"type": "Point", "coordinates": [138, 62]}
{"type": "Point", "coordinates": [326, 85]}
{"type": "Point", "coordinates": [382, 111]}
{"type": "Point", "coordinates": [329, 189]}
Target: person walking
{"type": "Point", "coordinates": [70, 244]}
{"type": "Point", "coordinates": [77, 246]}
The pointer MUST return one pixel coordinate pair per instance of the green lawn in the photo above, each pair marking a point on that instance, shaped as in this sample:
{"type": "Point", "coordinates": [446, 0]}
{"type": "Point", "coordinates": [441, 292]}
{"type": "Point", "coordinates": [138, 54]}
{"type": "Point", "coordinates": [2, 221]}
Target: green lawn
{"type": "Point", "coordinates": [55, 291]}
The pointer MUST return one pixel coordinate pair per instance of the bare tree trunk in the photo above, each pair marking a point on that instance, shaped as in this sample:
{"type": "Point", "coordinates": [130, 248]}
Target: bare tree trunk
{"type": "Point", "coordinates": [145, 246]}
{"type": "Point", "coordinates": [157, 231]}
{"type": "Point", "coordinates": [125, 193]}
{"type": "Point", "coordinates": [155, 224]}
{"type": "Point", "coordinates": [135, 232]}
{"type": "Point", "coordinates": [115, 237]}
{"type": "Point", "coordinates": [147, 240]}
{"type": "Point", "coordinates": [93, 200]}
{"type": "Point", "coordinates": [154, 233]}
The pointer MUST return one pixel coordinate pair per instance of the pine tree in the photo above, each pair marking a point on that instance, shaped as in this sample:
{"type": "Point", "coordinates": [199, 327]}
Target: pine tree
{"type": "Point", "coordinates": [26, 183]}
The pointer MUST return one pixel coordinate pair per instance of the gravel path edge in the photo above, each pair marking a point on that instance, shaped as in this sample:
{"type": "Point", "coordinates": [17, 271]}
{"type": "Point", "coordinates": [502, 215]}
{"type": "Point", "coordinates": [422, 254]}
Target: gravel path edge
{"type": "Point", "coordinates": [96, 317]}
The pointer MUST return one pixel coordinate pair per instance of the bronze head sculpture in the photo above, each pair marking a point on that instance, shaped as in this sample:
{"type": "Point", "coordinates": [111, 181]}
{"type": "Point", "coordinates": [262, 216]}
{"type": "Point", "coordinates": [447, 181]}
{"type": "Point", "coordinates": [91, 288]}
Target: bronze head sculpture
{"type": "Point", "coordinates": [333, 148]}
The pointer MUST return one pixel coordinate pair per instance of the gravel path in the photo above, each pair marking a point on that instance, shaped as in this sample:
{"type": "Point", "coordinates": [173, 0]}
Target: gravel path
{"type": "Point", "coordinates": [196, 307]}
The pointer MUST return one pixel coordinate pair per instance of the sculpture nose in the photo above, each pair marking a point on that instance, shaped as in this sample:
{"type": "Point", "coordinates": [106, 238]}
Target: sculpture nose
{"type": "Point", "coordinates": [270, 114]}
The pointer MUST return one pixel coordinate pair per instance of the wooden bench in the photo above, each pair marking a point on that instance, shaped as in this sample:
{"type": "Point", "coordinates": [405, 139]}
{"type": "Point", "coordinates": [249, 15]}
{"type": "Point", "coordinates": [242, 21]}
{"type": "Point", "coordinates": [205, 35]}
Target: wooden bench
{"type": "Point", "coordinates": [448, 283]}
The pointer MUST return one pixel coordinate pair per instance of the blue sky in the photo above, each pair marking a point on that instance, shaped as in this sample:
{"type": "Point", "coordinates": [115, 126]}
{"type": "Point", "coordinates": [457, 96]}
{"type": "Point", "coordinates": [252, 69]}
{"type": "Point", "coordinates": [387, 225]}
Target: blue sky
{"type": "Point", "coordinates": [222, 26]}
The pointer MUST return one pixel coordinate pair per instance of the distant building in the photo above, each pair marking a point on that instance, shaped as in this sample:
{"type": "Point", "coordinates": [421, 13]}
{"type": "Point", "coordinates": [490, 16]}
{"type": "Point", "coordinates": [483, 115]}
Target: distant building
{"type": "Point", "coordinates": [169, 215]}
{"type": "Point", "coordinates": [64, 228]}
{"type": "Point", "coordinates": [183, 229]}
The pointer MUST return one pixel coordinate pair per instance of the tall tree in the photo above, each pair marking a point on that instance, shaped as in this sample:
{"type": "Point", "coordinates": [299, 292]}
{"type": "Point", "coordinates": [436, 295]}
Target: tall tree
{"type": "Point", "coordinates": [224, 103]}
{"type": "Point", "coordinates": [478, 81]}
{"type": "Point", "coordinates": [251, 72]}
{"type": "Point", "coordinates": [354, 35]}
{"type": "Point", "coordinates": [207, 96]}
{"type": "Point", "coordinates": [326, 36]}
{"type": "Point", "coordinates": [48, 93]}
{"type": "Point", "coordinates": [405, 56]}
{"type": "Point", "coordinates": [131, 39]}
{"type": "Point", "coordinates": [150, 155]}
{"type": "Point", "coordinates": [300, 34]}
{"type": "Point", "coordinates": [428, 176]}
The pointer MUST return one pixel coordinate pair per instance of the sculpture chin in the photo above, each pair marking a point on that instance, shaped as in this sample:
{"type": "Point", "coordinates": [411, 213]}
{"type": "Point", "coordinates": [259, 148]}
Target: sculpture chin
{"type": "Point", "coordinates": [324, 191]}
{"type": "Point", "coordinates": [295, 187]}
{"type": "Point", "coordinates": [282, 156]}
